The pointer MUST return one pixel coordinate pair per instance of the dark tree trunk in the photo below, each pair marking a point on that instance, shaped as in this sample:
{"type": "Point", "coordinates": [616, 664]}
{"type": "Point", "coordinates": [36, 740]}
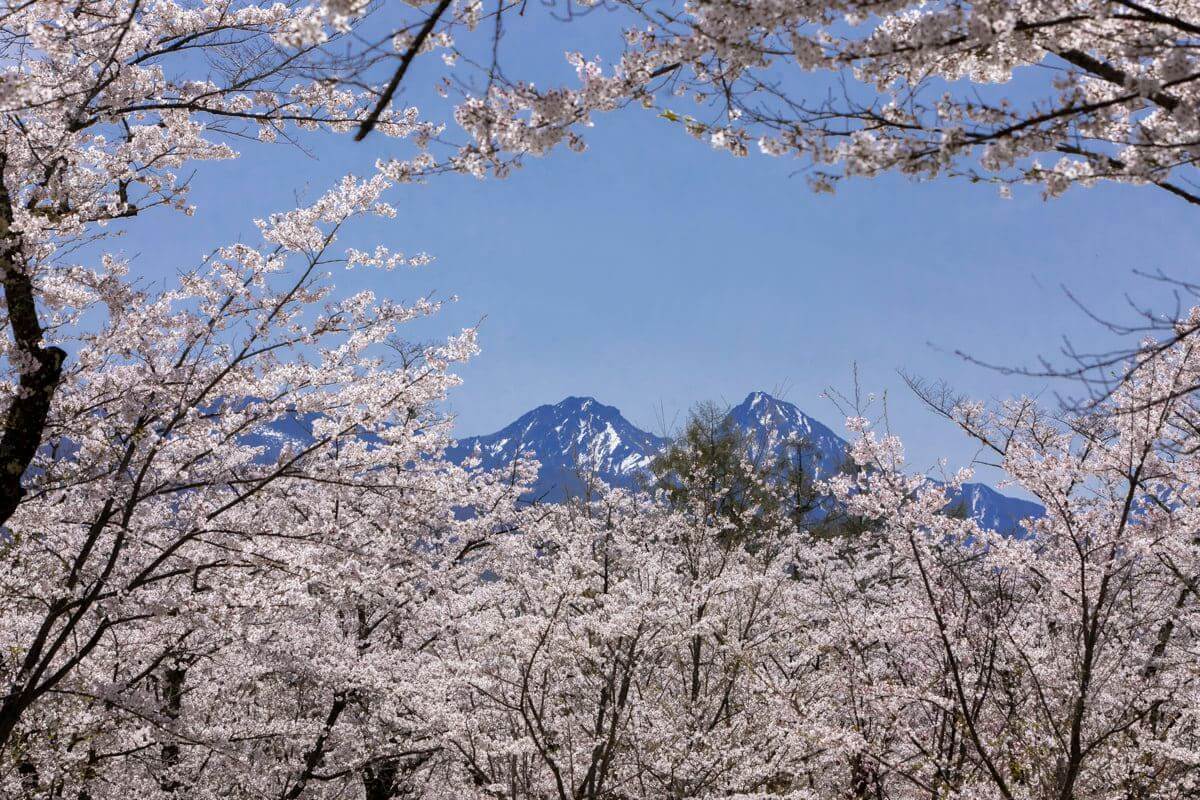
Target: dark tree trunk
{"type": "Point", "coordinates": [379, 780]}
{"type": "Point", "coordinates": [172, 707]}
{"type": "Point", "coordinates": [40, 372]}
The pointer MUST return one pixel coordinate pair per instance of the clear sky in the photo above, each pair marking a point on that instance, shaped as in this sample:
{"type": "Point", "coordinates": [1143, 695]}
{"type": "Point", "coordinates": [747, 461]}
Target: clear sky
{"type": "Point", "coordinates": [652, 272]}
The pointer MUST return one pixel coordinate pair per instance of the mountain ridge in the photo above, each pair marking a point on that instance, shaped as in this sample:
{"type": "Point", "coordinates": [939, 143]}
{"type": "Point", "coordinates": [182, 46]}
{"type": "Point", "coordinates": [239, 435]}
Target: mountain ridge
{"type": "Point", "coordinates": [582, 432]}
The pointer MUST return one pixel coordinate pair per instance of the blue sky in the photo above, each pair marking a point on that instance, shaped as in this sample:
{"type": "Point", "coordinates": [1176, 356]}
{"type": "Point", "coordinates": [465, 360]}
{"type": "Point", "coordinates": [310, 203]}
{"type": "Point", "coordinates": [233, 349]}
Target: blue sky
{"type": "Point", "coordinates": [652, 272]}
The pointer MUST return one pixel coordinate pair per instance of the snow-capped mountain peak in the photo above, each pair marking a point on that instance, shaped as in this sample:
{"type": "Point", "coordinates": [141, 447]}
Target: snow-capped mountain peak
{"type": "Point", "coordinates": [574, 436]}
{"type": "Point", "coordinates": [771, 424]}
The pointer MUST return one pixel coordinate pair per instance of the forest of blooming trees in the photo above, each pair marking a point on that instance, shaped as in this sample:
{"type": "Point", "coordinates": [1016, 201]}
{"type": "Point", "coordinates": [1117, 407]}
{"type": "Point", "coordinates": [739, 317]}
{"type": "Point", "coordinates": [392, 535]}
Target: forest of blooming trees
{"type": "Point", "coordinates": [185, 613]}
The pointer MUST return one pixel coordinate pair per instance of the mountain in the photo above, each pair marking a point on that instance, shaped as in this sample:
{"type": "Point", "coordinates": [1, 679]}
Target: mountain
{"type": "Point", "coordinates": [770, 423]}
{"type": "Point", "coordinates": [577, 433]}
{"type": "Point", "coordinates": [581, 435]}
{"type": "Point", "coordinates": [995, 511]}
{"type": "Point", "coordinates": [293, 430]}
{"type": "Point", "coordinates": [580, 432]}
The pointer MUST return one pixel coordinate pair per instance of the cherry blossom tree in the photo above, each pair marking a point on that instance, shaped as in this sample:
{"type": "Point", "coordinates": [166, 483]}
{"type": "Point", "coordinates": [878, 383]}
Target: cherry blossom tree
{"type": "Point", "coordinates": [1035, 92]}
{"type": "Point", "coordinates": [1040, 93]}
{"type": "Point", "coordinates": [622, 650]}
{"type": "Point", "coordinates": [145, 501]}
{"type": "Point", "coordinates": [169, 531]}
{"type": "Point", "coordinates": [104, 103]}
{"type": "Point", "coordinates": [1060, 664]}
